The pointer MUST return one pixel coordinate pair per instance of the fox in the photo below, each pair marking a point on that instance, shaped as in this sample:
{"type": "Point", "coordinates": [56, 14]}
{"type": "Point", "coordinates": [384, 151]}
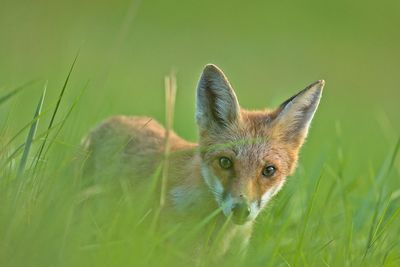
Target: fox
{"type": "Point", "coordinates": [241, 161]}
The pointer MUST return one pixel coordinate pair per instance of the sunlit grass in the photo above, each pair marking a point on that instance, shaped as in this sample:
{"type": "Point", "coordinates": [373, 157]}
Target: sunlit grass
{"type": "Point", "coordinates": [340, 208]}
{"type": "Point", "coordinates": [52, 216]}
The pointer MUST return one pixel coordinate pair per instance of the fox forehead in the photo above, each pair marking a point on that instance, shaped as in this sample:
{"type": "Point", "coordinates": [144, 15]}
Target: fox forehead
{"type": "Point", "coordinates": [252, 141]}
{"type": "Point", "coordinates": [251, 124]}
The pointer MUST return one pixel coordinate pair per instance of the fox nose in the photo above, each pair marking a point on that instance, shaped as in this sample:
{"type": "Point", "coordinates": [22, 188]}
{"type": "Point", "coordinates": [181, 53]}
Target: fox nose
{"type": "Point", "coordinates": [241, 212]}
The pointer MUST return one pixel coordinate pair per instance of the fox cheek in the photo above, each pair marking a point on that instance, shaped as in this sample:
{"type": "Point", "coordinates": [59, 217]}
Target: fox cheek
{"type": "Point", "coordinates": [271, 192]}
{"type": "Point", "coordinates": [213, 182]}
{"type": "Point", "coordinates": [265, 198]}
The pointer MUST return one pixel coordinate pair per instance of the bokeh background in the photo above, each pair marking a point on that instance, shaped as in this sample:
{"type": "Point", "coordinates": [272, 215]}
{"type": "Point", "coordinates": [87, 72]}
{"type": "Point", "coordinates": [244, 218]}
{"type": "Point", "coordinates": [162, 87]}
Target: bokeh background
{"type": "Point", "coordinates": [268, 49]}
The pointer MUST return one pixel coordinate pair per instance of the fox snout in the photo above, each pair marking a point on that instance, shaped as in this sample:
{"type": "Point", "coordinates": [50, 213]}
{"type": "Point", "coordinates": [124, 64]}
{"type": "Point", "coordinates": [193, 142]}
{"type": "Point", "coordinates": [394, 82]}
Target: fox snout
{"type": "Point", "coordinates": [238, 207]}
{"type": "Point", "coordinates": [240, 212]}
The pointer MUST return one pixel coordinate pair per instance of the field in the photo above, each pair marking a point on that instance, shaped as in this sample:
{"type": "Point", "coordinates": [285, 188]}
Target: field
{"type": "Point", "coordinates": [67, 65]}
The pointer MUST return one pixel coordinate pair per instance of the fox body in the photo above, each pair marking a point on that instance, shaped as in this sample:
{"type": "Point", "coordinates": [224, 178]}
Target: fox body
{"type": "Point", "coordinates": [241, 161]}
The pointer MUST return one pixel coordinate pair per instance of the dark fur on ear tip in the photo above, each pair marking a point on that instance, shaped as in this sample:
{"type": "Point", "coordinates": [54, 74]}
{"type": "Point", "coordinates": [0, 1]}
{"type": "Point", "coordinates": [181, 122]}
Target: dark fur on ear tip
{"type": "Point", "coordinates": [211, 70]}
{"type": "Point", "coordinates": [212, 67]}
{"type": "Point", "coordinates": [317, 86]}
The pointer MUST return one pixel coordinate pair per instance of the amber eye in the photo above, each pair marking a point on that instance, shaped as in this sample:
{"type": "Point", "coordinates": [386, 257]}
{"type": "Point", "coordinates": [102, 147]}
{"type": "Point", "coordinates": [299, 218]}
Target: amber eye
{"type": "Point", "coordinates": [225, 163]}
{"type": "Point", "coordinates": [269, 171]}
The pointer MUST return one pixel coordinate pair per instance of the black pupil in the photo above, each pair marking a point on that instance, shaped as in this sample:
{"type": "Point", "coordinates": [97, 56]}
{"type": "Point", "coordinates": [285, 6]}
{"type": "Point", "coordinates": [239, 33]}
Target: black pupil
{"type": "Point", "coordinates": [269, 171]}
{"type": "Point", "coordinates": [225, 163]}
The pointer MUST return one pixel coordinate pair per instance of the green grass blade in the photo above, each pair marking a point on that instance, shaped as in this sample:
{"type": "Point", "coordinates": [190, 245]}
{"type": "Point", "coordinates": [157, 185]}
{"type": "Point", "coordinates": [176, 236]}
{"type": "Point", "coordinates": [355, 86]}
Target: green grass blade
{"type": "Point", "coordinates": [385, 226]}
{"type": "Point", "coordinates": [307, 219]}
{"type": "Point", "coordinates": [26, 126]}
{"type": "Point", "coordinates": [15, 91]}
{"type": "Point", "coordinates": [394, 154]}
{"type": "Point", "coordinates": [18, 150]}
{"type": "Point", "coordinates": [75, 102]}
{"type": "Point", "coordinates": [170, 94]}
{"type": "Point", "coordinates": [375, 226]}
{"type": "Point", "coordinates": [201, 225]}
{"type": "Point", "coordinates": [57, 107]}
{"type": "Point", "coordinates": [31, 134]}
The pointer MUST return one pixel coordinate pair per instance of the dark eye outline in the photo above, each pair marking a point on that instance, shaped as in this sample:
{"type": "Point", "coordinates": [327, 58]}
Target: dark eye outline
{"type": "Point", "coordinates": [221, 164]}
{"type": "Point", "coordinates": [269, 171]}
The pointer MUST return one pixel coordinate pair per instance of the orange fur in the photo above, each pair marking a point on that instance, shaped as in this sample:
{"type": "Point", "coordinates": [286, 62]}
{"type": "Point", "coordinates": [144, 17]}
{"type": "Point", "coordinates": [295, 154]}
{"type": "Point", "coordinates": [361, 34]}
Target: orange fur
{"type": "Point", "coordinates": [252, 140]}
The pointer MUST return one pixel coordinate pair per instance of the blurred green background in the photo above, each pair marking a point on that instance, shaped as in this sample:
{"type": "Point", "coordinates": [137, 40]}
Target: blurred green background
{"type": "Point", "coordinates": [268, 49]}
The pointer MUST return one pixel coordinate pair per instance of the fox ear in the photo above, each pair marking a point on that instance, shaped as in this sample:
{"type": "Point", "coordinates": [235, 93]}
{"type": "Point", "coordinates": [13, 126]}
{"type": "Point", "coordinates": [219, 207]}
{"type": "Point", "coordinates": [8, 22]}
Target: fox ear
{"type": "Point", "coordinates": [293, 117]}
{"type": "Point", "coordinates": [217, 104]}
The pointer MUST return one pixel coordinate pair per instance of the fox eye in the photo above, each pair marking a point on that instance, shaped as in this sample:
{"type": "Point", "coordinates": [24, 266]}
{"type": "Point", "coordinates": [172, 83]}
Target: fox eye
{"type": "Point", "coordinates": [269, 171]}
{"type": "Point", "coordinates": [225, 163]}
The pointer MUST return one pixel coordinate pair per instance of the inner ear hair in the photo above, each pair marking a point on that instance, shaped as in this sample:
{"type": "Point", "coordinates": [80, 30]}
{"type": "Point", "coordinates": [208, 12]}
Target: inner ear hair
{"type": "Point", "coordinates": [216, 100]}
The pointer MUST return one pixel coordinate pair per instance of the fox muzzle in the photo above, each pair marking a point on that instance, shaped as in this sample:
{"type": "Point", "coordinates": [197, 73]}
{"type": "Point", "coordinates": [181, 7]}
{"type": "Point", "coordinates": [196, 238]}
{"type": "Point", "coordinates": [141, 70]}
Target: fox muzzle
{"type": "Point", "coordinates": [240, 213]}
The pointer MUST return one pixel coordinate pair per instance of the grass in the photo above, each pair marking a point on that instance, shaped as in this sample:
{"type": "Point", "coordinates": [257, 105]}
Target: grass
{"type": "Point", "coordinates": [60, 219]}
{"type": "Point", "coordinates": [340, 208]}
{"type": "Point", "coordinates": [13, 92]}
{"type": "Point", "coordinates": [170, 94]}
{"type": "Point", "coordinates": [31, 134]}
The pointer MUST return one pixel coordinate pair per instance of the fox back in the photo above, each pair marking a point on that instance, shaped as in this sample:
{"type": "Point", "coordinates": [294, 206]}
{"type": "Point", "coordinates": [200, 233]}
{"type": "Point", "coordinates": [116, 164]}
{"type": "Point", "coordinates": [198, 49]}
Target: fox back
{"type": "Point", "coordinates": [241, 161]}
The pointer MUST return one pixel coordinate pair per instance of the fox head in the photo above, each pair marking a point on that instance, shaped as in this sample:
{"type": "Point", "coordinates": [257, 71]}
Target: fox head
{"type": "Point", "coordinates": [247, 155]}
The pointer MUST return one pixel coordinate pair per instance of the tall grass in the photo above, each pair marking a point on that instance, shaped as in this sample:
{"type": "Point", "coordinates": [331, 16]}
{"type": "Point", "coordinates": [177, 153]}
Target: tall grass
{"type": "Point", "coordinates": [170, 94]}
{"type": "Point", "coordinates": [325, 216]}
{"type": "Point", "coordinates": [31, 134]}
